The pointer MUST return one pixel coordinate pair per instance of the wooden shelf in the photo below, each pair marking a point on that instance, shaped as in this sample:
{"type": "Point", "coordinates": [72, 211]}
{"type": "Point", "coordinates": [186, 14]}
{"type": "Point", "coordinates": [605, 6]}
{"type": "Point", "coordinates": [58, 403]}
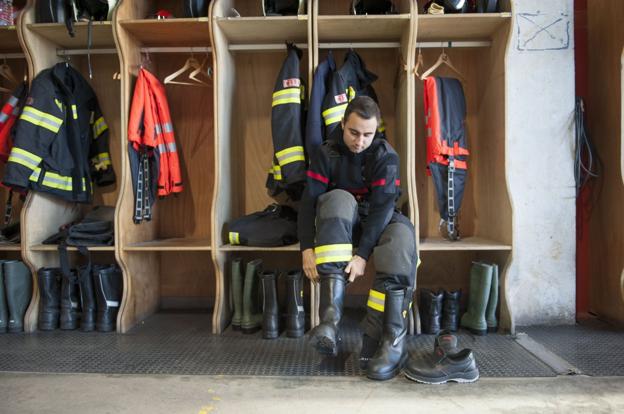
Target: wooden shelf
{"type": "Point", "coordinates": [54, 248]}
{"type": "Point", "coordinates": [177, 244]}
{"type": "Point", "coordinates": [231, 248]}
{"type": "Point", "coordinates": [366, 28]}
{"type": "Point", "coordinates": [182, 32]}
{"type": "Point", "coordinates": [8, 40]}
{"type": "Point", "coordinates": [250, 30]}
{"type": "Point", "coordinates": [456, 27]}
{"type": "Point", "coordinates": [102, 35]}
{"type": "Point", "coordinates": [432, 244]}
{"type": "Point", "coordinates": [10, 247]}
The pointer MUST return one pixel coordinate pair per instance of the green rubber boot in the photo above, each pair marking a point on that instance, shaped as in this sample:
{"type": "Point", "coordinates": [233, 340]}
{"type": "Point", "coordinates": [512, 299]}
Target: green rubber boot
{"type": "Point", "coordinates": [4, 310]}
{"type": "Point", "coordinates": [18, 284]}
{"type": "Point", "coordinates": [237, 293]}
{"type": "Point", "coordinates": [490, 314]}
{"type": "Point", "coordinates": [480, 283]}
{"type": "Point", "coordinates": [252, 316]}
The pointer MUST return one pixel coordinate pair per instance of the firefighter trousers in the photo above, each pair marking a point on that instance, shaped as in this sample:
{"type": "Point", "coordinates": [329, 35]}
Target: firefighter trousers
{"type": "Point", "coordinates": [339, 221]}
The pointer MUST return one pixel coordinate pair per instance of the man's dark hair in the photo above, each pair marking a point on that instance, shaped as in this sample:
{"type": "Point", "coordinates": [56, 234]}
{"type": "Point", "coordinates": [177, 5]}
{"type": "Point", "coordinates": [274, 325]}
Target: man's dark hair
{"type": "Point", "coordinates": [365, 107]}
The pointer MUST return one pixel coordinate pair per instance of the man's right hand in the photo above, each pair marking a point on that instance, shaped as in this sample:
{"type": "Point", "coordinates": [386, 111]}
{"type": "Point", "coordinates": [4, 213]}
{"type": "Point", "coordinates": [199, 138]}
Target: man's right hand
{"type": "Point", "coordinates": [309, 265]}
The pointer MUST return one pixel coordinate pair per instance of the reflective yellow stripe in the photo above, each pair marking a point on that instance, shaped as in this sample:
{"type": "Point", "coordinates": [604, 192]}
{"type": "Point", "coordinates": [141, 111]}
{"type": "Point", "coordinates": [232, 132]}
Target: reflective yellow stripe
{"type": "Point", "coordinates": [332, 253]}
{"type": "Point", "coordinates": [101, 161]}
{"type": "Point", "coordinates": [333, 259]}
{"type": "Point", "coordinates": [289, 155]}
{"type": "Point", "coordinates": [25, 158]}
{"type": "Point", "coordinates": [54, 180]}
{"type": "Point", "coordinates": [285, 96]}
{"type": "Point", "coordinates": [288, 91]}
{"type": "Point", "coordinates": [75, 111]}
{"type": "Point", "coordinates": [59, 104]}
{"type": "Point", "coordinates": [333, 120]}
{"type": "Point", "coordinates": [333, 248]}
{"type": "Point", "coordinates": [99, 126]}
{"type": "Point", "coordinates": [333, 110]}
{"type": "Point", "coordinates": [277, 172]}
{"type": "Point", "coordinates": [376, 294]}
{"type": "Point", "coordinates": [234, 238]}
{"type": "Point", "coordinates": [41, 119]}
{"type": "Point", "coordinates": [376, 300]}
{"type": "Point", "coordinates": [287, 151]}
{"type": "Point", "coordinates": [292, 159]}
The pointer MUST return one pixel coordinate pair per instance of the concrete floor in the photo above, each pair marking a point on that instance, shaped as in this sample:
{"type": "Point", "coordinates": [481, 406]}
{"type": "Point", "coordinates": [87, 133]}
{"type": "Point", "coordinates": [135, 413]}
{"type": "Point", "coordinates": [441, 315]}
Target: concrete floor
{"type": "Point", "coordinates": [86, 393]}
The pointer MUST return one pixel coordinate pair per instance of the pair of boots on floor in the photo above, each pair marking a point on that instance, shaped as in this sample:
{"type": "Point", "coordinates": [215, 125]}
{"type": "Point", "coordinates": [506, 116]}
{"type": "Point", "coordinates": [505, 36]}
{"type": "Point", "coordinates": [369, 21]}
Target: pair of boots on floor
{"type": "Point", "coordinates": [88, 296]}
{"type": "Point", "coordinates": [382, 358]}
{"type": "Point", "coordinates": [245, 295]}
{"type": "Point", "coordinates": [15, 294]}
{"type": "Point", "coordinates": [439, 310]}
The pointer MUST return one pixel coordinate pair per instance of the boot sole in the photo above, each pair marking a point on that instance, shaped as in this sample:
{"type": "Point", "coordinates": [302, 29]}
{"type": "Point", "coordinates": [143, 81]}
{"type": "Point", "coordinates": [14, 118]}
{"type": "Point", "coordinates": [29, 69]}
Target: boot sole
{"type": "Point", "coordinates": [464, 378]}
{"type": "Point", "coordinates": [391, 374]}
{"type": "Point", "coordinates": [270, 335]}
{"type": "Point", "coordinates": [295, 334]}
{"type": "Point", "coordinates": [47, 326]}
{"type": "Point", "coordinates": [325, 346]}
{"type": "Point", "coordinates": [105, 328]}
{"type": "Point", "coordinates": [252, 330]}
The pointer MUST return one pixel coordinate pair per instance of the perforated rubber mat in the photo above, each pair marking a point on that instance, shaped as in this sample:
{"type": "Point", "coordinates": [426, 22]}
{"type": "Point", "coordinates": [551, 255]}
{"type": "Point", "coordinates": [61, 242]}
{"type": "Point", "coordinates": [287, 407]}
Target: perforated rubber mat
{"type": "Point", "coordinates": [594, 347]}
{"type": "Point", "coordinates": [182, 344]}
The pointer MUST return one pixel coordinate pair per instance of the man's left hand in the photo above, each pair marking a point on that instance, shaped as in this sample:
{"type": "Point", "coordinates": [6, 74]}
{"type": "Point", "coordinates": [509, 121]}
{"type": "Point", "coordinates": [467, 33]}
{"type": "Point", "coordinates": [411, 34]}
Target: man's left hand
{"type": "Point", "coordinates": [355, 268]}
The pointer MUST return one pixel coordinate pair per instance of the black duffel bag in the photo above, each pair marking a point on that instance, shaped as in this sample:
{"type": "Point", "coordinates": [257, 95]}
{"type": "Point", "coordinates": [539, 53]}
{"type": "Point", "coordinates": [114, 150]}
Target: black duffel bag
{"type": "Point", "coordinates": [275, 226]}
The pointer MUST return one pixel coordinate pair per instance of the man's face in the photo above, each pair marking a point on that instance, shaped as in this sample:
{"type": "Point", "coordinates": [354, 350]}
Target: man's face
{"type": "Point", "coordinates": [358, 132]}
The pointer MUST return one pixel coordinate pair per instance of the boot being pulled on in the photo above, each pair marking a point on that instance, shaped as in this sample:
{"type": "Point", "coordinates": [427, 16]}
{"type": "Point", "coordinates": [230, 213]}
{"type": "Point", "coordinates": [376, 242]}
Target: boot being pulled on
{"type": "Point", "coordinates": [325, 337]}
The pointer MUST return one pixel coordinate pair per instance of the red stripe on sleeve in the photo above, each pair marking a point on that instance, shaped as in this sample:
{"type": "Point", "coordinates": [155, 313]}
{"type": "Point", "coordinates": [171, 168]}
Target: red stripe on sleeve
{"type": "Point", "coordinates": [380, 182]}
{"type": "Point", "coordinates": [318, 177]}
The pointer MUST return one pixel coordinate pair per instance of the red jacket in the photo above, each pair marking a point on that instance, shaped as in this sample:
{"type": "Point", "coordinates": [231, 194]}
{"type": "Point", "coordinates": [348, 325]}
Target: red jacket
{"type": "Point", "coordinates": [9, 113]}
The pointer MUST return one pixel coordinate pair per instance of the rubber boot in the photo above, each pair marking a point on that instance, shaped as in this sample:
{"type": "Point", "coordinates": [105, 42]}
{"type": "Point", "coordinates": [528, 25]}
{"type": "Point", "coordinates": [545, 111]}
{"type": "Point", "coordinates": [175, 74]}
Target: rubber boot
{"type": "Point", "coordinates": [490, 313]}
{"type": "Point", "coordinates": [108, 286]}
{"type": "Point", "coordinates": [392, 352]}
{"type": "Point", "coordinates": [87, 297]}
{"type": "Point", "coordinates": [4, 310]}
{"type": "Point", "coordinates": [430, 311]}
{"type": "Point", "coordinates": [18, 285]}
{"type": "Point", "coordinates": [295, 314]}
{"type": "Point", "coordinates": [480, 283]}
{"type": "Point", "coordinates": [450, 311]}
{"type": "Point", "coordinates": [237, 293]}
{"type": "Point", "coordinates": [252, 317]}
{"type": "Point", "coordinates": [50, 298]}
{"type": "Point", "coordinates": [325, 337]}
{"type": "Point", "coordinates": [270, 313]}
{"type": "Point", "coordinates": [70, 307]}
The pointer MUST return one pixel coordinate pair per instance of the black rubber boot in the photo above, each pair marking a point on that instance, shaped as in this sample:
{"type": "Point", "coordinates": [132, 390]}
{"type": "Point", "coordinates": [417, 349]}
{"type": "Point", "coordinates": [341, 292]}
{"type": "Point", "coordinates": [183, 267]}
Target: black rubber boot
{"type": "Point", "coordinates": [430, 311]}
{"type": "Point", "coordinates": [4, 310]}
{"type": "Point", "coordinates": [70, 307]}
{"type": "Point", "coordinates": [87, 298]}
{"type": "Point", "coordinates": [18, 285]}
{"type": "Point", "coordinates": [50, 298]}
{"type": "Point", "coordinates": [108, 284]}
{"type": "Point", "coordinates": [270, 313]}
{"type": "Point", "coordinates": [252, 316]}
{"type": "Point", "coordinates": [325, 336]}
{"type": "Point", "coordinates": [392, 352]}
{"type": "Point", "coordinates": [450, 311]}
{"type": "Point", "coordinates": [237, 293]}
{"type": "Point", "coordinates": [295, 314]}
{"type": "Point", "coordinates": [368, 350]}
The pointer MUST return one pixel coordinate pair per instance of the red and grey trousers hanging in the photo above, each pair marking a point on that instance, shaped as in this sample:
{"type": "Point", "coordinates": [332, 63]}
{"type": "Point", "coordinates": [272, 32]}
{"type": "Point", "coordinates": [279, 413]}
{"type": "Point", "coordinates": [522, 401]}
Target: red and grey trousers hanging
{"type": "Point", "coordinates": [447, 150]}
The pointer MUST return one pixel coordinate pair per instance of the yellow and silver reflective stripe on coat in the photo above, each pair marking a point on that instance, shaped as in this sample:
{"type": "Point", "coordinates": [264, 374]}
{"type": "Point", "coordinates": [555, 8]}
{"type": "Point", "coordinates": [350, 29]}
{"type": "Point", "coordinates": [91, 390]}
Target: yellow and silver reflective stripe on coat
{"type": "Point", "coordinates": [101, 161]}
{"type": "Point", "coordinates": [276, 170]}
{"type": "Point", "coordinates": [334, 114]}
{"type": "Point", "coordinates": [286, 96]}
{"type": "Point", "coordinates": [332, 253]}
{"type": "Point", "coordinates": [42, 119]}
{"type": "Point", "coordinates": [376, 300]}
{"type": "Point", "coordinates": [234, 237]}
{"type": "Point", "coordinates": [99, 126]}
{"type": "Point", "coordinates": [54, 180]}
{"type": "Point", "coordinates": [289, 155]}
{"type": "Point", "coordinates": [25, 158]}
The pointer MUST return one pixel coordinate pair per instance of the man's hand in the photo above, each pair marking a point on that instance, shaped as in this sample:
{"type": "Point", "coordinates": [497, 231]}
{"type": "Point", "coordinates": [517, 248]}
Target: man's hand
{"type": "Point", "coordinates": [355, 268]}
{"type": "Point", "coordinates": [309, 265]}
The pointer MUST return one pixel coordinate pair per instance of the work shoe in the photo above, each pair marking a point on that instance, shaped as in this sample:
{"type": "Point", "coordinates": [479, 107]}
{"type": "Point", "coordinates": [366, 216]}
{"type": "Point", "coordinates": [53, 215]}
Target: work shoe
{"type": "Point", "coordinates": [18, 288]}
{"type": "Point", "coordinates": [4, 310]}
{"type": "Point", "coordinates": [391, 354]}
{"type": "Point", "coordinates": [325, 337]}
{"type": "Point", "coordinates": [295, 314]}
{"type": "Point", "coordinates": [50, 298]}
{"type": "Point", "coordinates": [108, 284]}
{"type": "Point", "coordinates": [430, 305]}
{"type": "Point", "coordinates": [252, 317]}
{"type": "Point", "coordinates": [450, 310]}
{"type": "Point", "coordinates": [237, 293]}
{"type": "Point", "coordinates": [445, 364]}
{"type": "Point", "coordinates": [480, 283]}
{"type": "Point", "coordinates": [87, 297]}
{"type": "Point", "coordinates": [70, 307]}
{"type": "Point", "coordinates": [490, 312]}
{"type": "Point", "coordinates": [270, 313]}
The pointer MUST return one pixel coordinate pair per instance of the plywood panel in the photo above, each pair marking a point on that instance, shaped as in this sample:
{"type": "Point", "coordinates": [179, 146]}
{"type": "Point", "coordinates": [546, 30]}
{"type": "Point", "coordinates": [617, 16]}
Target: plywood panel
{"type": "Point", "coordinates": [343, 7]}
{"type": "Point", "coordinates": [250, 30]}
{"type": "Point", "coordinates": [379, 28]}
{"type": "Point", "coordinates": [460, 26]}
{"type": "Point", "coordinates": [102, 34]}
{"type": "Point", "coordinates": [186, 274]}
{"type": "Point", "coordinates": [169, 32]}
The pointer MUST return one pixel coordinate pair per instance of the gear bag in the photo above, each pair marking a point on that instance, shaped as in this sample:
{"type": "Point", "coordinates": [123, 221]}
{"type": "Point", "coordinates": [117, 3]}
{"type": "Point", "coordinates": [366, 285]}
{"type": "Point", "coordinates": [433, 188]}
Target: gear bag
{"type": "Point", "coordinates": [275, 226]}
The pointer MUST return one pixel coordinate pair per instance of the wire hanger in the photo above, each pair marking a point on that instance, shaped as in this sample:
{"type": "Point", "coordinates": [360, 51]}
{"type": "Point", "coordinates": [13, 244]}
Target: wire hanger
{"type": "Point", "coordinates": [6, 73]}
{"type": "Point", "coordinates": [446, 60]}
{"type": "Point", "coordinates": [191, 63]}
{"type": "Point", "coordinates": [202, 70]}
{"type": "Point", "coordinates": [419, 62]}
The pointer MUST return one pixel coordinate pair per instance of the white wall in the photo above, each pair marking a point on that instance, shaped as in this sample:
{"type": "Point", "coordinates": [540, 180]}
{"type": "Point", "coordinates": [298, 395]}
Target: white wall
{"type": "Point", "coordinates": [540, 154]}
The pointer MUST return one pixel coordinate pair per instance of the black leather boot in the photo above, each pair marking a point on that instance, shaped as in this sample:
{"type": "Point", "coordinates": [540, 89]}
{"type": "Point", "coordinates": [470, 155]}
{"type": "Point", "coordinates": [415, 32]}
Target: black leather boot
{"type": "Point", "coordinates": [50, 298]}
{"type": "Point", "coordinates": [295, 314]}
{"type": "Point", "coordinates": [430, 311]}
{"type": "Point", "coordinates": [392, 352]}
{"type": "Point", "coordinates": [270, 314]}
{"type": "Point", "coordinates": [108, 284]}
{"type": "Point", "coordinates": [87, 297]}
{"type": "Point", "coordinates": [70, 307]}
{"type": "Point", "coordinates": [450, 310]}
{"type": "Point", "coordinates": [4, 310]}
{"type": "Point", "coordinates": [325, 336]}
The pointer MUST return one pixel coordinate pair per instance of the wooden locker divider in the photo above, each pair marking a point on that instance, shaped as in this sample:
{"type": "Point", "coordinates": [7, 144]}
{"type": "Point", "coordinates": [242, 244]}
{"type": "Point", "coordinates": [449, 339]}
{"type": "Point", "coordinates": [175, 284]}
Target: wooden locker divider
{"type": "Point", "coordinates": [167, 261]}
{"type": "Point", "coordinates": [42, 214]}
{"type": "Point", "coordinates": [485, 219]}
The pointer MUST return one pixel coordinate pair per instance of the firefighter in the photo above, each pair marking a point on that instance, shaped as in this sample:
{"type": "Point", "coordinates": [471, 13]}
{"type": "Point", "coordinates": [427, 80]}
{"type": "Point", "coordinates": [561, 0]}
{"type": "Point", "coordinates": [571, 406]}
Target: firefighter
{"type": "Point", "coordinates": [352, 187]}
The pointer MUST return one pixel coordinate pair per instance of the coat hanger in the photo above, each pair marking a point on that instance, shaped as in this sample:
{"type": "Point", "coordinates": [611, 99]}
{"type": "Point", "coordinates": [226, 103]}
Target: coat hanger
{"type": "Point", "coordinates": [191, 63]}
{"type": "Point", "coordinates": [446, 60]}
{"type": "Point", "coordinates": [419, 62]}
{"type": "Point", "coordinates": [202, 70]}
{"type": "Point", "coordinates": [5, 72]}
